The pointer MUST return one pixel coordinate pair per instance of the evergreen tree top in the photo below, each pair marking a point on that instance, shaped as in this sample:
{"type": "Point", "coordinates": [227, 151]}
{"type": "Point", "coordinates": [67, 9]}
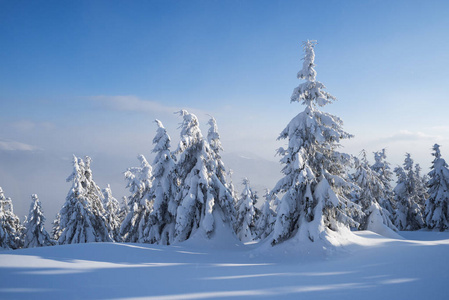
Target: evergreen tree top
{"type": "Point", "coordinates": [408, 162]}
{"type": "Point", "coordinates": [308, 72]}
{"type": "Point", "coordinates": [213, 137]}
{"type": "Point", "coordinates": [437, 152]}
{"type": "Point", "coordinates": [162, 140]}
{"type": "Point", "coordinates": [190, 131]}
{"type": "Point", "coordinates": [311, 92]}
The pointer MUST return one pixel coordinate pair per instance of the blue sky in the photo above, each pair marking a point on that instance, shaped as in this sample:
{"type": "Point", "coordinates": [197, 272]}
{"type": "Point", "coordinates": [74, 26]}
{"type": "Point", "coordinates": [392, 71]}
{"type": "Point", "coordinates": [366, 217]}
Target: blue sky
{"type": "Point", "coordinates": [89, 77]}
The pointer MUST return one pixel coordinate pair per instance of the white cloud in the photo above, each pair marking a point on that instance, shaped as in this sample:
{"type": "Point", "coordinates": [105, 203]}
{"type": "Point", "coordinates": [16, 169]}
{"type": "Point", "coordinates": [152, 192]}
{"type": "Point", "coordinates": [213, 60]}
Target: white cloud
{"type": "Point", "coordinates": [27, 125]}
{"type": "Point", "coordinates": [16, 146]}
{"type": "Point", "coordinates": [406, 135]}
{"type": "Point", "coordinates": [135, 104]}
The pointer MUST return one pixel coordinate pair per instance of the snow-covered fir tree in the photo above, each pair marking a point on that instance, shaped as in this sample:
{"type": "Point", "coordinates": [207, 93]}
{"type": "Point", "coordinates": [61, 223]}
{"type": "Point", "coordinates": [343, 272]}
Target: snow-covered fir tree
{"type": "Point", "coordinates": [10, 226]}
{"type": "Point", "coordinates": [136, 226]}
{"type": "Point", "coordinates": [56, 228]}
{"type": "Point", "coordinates": [370, 191]}
{"type": "Point", "coordinates": [225, 192]}
{"type": "Point", "coordinates": [35, 234]}
{"type": "Point", "coordinates": [383, 169]}
{"type": "Point", "coordinates": [203, 201]}
{"type": "Point", "coordinates": [409, 213]}
{"type": "Point", "coordinates": [437, 205]}
{"type": "Point", "coordinates": [267, 218]}
{"type": "Point", "coordinates": [82, 215]}
{"type": "Point", "coordinates": [245, 225]}
{"type": "Point", "coordinates": [124, 209]}
{"type": "Point", "coordinates": [112, 211]}
{"type": "Point", "coordinates": [314, 179]}
{"type": "Point", "coordinates": [421, 186]}
{"type": "Point", "coordinates": [163, 189]}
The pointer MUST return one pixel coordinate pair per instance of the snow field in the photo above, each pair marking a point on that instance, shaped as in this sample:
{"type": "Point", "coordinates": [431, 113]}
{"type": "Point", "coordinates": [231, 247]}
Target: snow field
{"type": "Point", "coordinates": [365, 266]}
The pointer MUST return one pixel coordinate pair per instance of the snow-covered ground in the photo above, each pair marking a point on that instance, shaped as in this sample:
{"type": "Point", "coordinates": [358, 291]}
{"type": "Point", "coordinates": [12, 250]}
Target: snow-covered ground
{"type": "Point", "coordinates": [365, 266]}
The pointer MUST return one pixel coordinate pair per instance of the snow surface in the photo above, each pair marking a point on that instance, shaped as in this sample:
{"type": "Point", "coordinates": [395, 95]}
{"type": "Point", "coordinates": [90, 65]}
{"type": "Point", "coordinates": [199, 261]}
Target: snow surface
{"type": "Point", "coordinates": [364, 266]}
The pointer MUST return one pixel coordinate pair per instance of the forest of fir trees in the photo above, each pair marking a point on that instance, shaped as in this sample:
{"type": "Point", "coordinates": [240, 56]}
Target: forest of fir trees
{"type": "Point", "coordinates": [188, 191]}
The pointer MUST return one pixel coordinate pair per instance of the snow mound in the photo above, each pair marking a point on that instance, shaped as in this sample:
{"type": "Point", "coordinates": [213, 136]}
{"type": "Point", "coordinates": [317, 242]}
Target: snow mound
{"type": "Point", "coordinates": [223, 236]}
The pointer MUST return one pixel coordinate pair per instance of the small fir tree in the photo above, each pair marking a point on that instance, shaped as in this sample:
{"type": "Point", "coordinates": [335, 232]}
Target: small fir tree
{"type": "Point", "coordinates": [82, 215]}
{"type": "Point", "coordinates": [56, 228]}
{"type": "Point", "coordinates": [112, 211]}
{"type": "Point", "coordinates": [245, 225]}
{"type": "Point", "coordinates": [265, 223]}
{"type": "Point", "coordinates": [136, 226]}
{"type": "Point", "coordinates": [370, 191]}
{"type": "Point", "coordinates": [437, 205]}
{"type": "Point", "coordinates": [10, 227]}
{"type": "Point", "coordinates": [382, 168]}
{"type": "Point", "coordinates": [124, 209]}
{"type": "Point", "coordinates": [409, 213]}
{"type": "Point", "coordinates": [35, 233]}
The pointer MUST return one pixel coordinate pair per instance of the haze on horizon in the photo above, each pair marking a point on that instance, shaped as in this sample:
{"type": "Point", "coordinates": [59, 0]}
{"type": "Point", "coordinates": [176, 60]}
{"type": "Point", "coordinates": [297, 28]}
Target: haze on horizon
{"type": "Point", "coordinates": [89, 78]}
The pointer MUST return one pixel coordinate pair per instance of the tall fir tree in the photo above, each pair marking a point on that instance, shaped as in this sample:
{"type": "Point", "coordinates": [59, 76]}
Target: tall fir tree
{"type": "Point", "coordinates": [314, 182]}
{"type": "Point", "coordinates": [224, 191]}
{"type": "Point", "coordinates": [112, 211]}
{"type": "Point", "coordinates": [35, 234]}
{"type": "Point", "coordinates": [163, 189]}
{"type": "Point", "coordinates": [382, 167]}
{"type": "Point", "coordinates": [82, 215]}
{"type": "Point", "coordinates": [203, 200]}
{"type": "Point", "coordinates": [10, 226]}
{"type": "Point", "coordinates": [245, 225]}
{"type": "Point", "coordinates": [370, 191]}
{"type": "Point", "coordinates": [136, 226]}
{"type": "Point", "coordinates": [437, 205]}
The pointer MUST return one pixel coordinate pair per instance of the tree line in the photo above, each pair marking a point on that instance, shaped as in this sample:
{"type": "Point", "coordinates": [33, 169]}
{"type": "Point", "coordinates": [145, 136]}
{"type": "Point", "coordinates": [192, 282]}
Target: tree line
{"type": "Point", "coordinates": [188, 191]}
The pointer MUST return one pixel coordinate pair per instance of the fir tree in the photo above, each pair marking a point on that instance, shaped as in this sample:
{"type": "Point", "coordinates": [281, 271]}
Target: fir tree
{"type": "Point", "coordinates": [124, 209]}
{"type": "Point", "coordinates": [314, 183]}
{"type": "Point", "coordinates": [382, 168]}
{"type": "Point", "coordinates": [10, 227]}
{"type": "Point", "coordinates": [409, 213]}
{"type": "Point", "coordinates": [370, 191]}
{"type": "Point", "coordinates": [245, 226]}
{"type": "Point", "coordinates": [112, 211]}
{"type": "Point", "coordinates": [136, 226]}
{"type": "Point", "coordinates": [203, 201]}
{"type": "Point", "coordinates": [56, 228]}
{"type": "Point", "coordinates": [421, 187]}
{"type": "Point", "coordinates": [267, 218]}
{"type": "Point", "coordinates": [35, 233]}
{"type": "Point", "coordinates": [437, 205]}
{"type": "Point", "coordinates": [82, 215]}
{"type": "Point", "coordinates": [163, 189]}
